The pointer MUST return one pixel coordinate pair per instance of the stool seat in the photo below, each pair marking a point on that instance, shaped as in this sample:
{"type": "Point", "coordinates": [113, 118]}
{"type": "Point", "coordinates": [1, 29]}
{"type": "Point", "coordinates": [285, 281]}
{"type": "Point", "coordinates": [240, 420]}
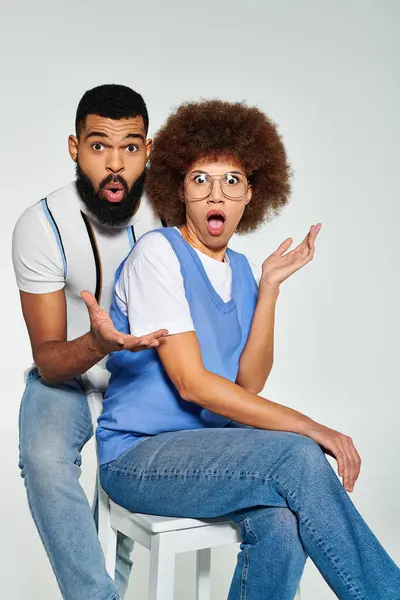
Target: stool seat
{"type": "Point", "coordinates": [157, 524]}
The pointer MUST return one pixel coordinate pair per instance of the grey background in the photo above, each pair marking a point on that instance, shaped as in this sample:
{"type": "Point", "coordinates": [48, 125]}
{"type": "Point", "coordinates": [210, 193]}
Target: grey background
{"type": "Point", "coordinates": [327, 72]}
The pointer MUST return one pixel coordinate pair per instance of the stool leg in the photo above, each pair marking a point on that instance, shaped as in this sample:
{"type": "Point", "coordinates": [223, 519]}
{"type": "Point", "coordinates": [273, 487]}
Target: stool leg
{"type": "Point", "coordinates": [107, 535]}
{"type": "Point", "coordinates": [162, 569]}
{"type": "Point", "coordinates": [203, 574]}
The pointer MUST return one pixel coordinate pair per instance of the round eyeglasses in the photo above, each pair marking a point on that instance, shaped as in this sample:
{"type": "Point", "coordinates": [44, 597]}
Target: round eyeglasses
{"type": "Point", "coordinates": [199, 185]}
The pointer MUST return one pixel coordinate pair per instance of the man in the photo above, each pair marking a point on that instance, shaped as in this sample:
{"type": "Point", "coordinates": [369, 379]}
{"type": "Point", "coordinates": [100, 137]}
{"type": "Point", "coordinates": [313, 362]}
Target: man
{"type": "Point", "coordinates": [74, 240]}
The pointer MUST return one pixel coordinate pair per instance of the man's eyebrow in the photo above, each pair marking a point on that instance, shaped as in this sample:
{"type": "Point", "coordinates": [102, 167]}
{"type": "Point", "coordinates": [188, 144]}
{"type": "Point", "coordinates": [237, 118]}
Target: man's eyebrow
{"type": "Point", "coordinates": [96, 134]}
{"type": "Point", "coordinates": [104, 135]}
{"type": "Point", "coordinates": [135, 135]}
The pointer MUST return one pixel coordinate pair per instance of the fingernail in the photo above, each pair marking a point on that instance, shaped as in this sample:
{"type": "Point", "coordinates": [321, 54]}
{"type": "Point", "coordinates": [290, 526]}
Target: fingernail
{"type": "Point", "coordinates": [142, 344]}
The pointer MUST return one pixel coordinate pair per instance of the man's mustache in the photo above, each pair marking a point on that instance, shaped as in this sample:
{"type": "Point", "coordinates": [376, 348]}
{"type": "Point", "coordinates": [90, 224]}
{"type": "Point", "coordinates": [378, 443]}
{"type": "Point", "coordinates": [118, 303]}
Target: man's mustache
{"type": "Point", "coordinates": [113, 178]}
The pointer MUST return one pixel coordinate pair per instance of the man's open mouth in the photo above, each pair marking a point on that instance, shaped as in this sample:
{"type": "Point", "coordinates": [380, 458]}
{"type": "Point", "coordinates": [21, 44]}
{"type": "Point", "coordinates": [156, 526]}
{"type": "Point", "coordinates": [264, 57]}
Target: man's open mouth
{"type": "Point", "coordinates": [114, 192]}
{"type": "Point", "coordinates": [215, 222]}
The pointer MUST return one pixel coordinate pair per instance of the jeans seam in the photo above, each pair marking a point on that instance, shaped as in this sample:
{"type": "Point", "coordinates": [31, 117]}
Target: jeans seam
{"type": "Point", "coordinates": [243, 583]}
{"type": "Point", "coordinates": [246, 562]}
{"type": "Point", "coordinates": [249, 530]}
{"type": "Point", "coordinates": [168, 473]}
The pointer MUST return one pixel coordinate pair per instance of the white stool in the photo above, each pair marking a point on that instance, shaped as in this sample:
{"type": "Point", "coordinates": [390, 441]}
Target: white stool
{"type": "Point", "coordinates": [163, 536]}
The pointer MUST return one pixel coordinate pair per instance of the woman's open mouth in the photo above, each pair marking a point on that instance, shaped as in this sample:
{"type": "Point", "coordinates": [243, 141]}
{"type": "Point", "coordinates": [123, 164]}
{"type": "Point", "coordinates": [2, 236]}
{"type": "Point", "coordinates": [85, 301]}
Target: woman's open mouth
{"type": "Point", "coordinates": [215, 222]}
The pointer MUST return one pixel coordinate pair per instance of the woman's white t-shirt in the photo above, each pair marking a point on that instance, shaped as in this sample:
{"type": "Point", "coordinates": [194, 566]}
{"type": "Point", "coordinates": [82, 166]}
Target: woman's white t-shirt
{"type": "Point", "coordinates": [150, 290]}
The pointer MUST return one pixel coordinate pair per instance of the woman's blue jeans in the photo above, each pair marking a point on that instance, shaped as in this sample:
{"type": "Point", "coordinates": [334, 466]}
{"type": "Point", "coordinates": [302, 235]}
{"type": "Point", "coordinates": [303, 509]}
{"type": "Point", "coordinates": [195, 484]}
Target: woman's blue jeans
{"type": "Point", "coordinates": [282, 492]}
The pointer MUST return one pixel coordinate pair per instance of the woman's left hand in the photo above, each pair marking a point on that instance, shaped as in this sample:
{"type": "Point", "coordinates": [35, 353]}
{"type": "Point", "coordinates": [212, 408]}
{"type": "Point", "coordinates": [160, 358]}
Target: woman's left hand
{"type": "Point", "coordinates": [279, 266]}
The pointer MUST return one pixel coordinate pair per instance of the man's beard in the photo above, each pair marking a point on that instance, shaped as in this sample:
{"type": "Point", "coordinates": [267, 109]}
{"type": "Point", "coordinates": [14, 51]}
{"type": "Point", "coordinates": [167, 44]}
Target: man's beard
{"type": "Point", "coordinates": [108, 213]}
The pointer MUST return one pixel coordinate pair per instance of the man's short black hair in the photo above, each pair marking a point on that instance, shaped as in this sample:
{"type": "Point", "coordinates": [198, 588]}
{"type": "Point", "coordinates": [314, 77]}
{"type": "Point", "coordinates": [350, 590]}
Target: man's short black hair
{"type": "Point", "coordinates": [113, 102]}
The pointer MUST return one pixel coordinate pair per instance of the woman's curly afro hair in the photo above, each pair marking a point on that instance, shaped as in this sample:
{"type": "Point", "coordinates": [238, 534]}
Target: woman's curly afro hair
{"type": "Point", "coordinates": [212, 130]}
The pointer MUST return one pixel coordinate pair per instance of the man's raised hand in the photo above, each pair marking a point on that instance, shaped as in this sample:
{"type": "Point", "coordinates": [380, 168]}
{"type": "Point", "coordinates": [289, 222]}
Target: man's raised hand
{"type": "Point", "coordinates": [108, 339]}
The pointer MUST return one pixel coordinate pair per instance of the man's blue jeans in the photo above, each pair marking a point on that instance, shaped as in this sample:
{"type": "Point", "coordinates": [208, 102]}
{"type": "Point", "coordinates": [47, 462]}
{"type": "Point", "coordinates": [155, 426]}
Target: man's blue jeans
{"type": "Point", "coordinates": [55, 424]}
{"type": "Point", "coordinates": [282, 492]}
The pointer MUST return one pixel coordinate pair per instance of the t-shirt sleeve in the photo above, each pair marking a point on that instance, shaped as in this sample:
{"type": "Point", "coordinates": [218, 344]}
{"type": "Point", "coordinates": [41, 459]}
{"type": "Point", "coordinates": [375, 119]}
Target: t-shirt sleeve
{"type": "Point", "coordinates": [256, 269]}
{"type": "Point", "coordinates": [37, 258]}
{"type": "Point", "coordinates": [151, 289]}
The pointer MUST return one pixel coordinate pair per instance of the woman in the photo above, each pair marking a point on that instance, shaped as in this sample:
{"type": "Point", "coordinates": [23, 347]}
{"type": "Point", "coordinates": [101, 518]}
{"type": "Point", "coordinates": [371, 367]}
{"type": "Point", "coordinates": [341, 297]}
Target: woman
{"type": "Point", "coordinates": [184, 432]}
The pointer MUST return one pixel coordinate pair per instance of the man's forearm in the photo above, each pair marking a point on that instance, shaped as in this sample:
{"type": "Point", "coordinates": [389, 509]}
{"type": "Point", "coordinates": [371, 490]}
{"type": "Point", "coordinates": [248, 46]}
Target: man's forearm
{"type": "Point", "coordinates": [258, 355]}
{"type": "Point", "coordinates": [60, 361]}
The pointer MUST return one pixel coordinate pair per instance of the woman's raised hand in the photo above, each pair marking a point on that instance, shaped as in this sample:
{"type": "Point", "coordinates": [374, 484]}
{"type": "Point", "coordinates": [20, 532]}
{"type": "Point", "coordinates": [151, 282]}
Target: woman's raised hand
{"type": "Point", "coordinates": [279, 266]}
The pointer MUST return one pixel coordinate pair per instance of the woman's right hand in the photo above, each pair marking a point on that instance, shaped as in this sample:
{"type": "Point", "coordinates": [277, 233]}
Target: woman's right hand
{"type": "Point", "coordinates": [342, 448]}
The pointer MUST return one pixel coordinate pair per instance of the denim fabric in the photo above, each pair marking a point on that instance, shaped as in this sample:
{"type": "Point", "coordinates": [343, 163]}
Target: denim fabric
{"type": "Point", "coordinates": [282, 492]}
{"type": "Point", "coordinates": [55, 424]}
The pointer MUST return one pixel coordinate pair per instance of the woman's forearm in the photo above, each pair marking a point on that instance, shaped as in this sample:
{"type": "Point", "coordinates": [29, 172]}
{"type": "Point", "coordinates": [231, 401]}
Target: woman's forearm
{"type": "Point", "coordinates": [258, 355]}
{"type": "Point", "coordinates": [180, 355]}
{"type": "Point", "coordinates": [230, 400]}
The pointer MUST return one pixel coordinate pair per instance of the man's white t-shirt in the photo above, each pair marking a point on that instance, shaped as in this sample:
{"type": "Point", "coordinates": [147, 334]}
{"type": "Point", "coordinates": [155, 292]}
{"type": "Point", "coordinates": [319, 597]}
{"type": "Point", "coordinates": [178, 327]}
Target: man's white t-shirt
{"type": "Point", "coordinates": [150, 290]}
{"type": "Point", "coordinates": [57, 244]}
